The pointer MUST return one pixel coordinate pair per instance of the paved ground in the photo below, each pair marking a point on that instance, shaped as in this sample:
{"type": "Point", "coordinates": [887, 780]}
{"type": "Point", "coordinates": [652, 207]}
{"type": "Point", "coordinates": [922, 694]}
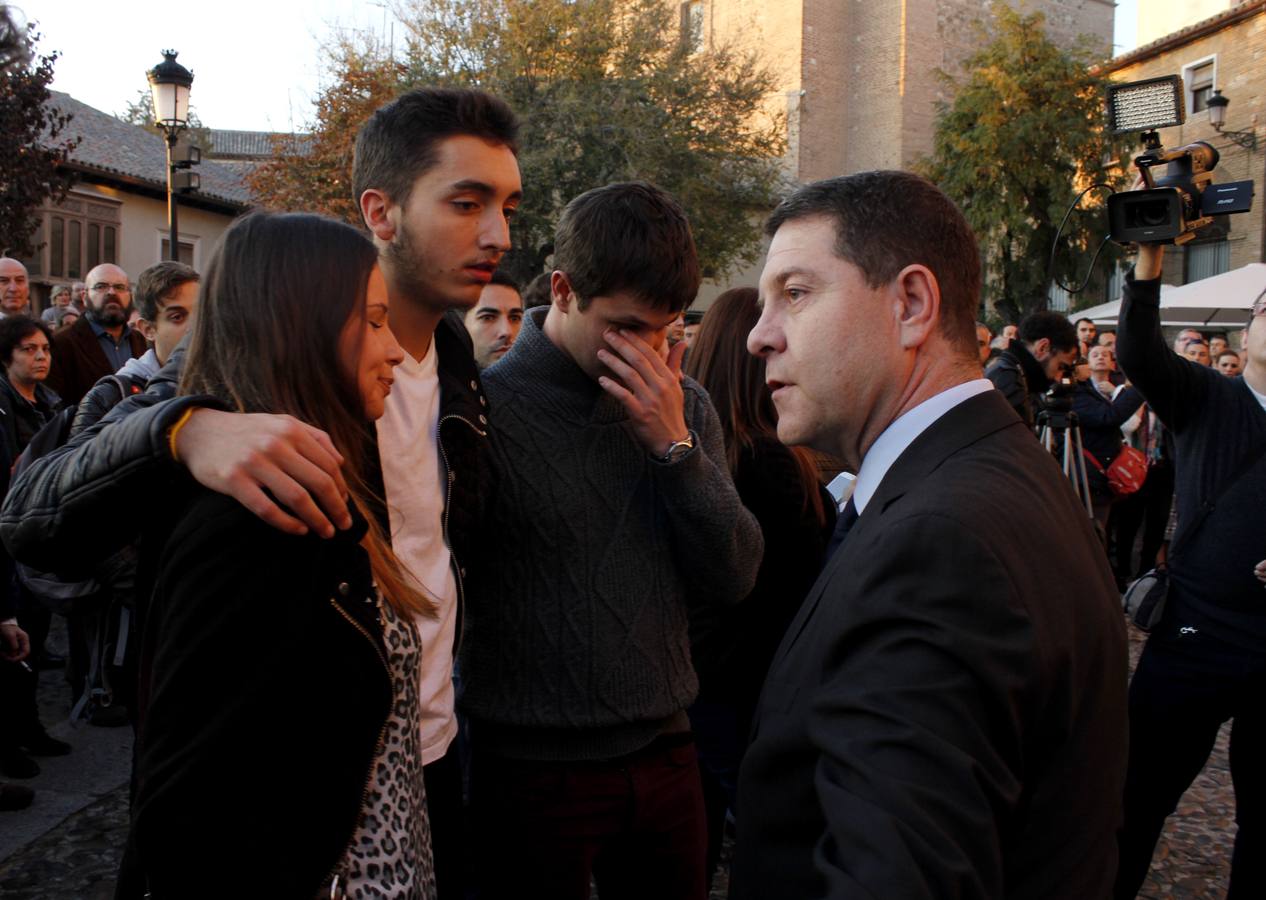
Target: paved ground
{"type": "Point", "coordinates": [66, 847]}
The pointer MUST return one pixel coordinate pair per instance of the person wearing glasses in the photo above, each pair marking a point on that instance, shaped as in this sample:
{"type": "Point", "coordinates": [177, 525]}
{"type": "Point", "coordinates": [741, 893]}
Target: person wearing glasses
{"type": "Point", "coordinates": [1205, 661]}
{"type": "Point", "coordinates": [100, 342]}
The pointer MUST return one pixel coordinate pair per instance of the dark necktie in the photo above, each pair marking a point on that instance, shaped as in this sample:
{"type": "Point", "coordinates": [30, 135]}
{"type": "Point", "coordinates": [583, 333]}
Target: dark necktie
{"type": "Point", "coordinates": [846, 520]}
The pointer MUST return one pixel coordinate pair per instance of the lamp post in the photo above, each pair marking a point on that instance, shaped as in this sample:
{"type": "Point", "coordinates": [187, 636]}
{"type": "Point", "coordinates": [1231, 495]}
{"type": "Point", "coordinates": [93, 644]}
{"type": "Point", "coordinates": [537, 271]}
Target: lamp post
{"type": "Point", "coordinates": [169, 84]}
{"type": "Point", "coordinates": [1217, 118]}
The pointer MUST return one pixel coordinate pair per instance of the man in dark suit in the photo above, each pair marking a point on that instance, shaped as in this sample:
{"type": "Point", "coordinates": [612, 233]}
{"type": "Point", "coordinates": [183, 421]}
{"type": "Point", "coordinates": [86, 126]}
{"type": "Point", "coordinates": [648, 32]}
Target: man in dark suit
{"type": "Point", "coordinates": [100, 342]}
{"type": "Point", "coordinates": [945, 715]}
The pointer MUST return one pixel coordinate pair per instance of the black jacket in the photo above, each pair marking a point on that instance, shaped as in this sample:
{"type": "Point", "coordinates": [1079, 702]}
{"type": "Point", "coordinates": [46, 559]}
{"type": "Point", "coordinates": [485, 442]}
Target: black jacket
{"type": "Point", "coordinates": [105, 472]}
{"type": "Point", "coordinates": [946, 716]}
{"type": "Point", "coordinates": [1100, 420]}
{"type": "Point", "coordinates": [1021, 379]}
{"type": "Point", "coordinates": [1216, 424]}
{"type": "Point", "coordinates": [264, 690]}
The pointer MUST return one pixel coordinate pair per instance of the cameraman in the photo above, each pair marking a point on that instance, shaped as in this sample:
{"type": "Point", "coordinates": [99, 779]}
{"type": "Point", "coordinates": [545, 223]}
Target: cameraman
{"type": "Point", "coordinates": [1101, 417]}
{"type": "Point", "coordinates": [1205, 662]}
{"type": "Point", "coordinates": [1046, 345]}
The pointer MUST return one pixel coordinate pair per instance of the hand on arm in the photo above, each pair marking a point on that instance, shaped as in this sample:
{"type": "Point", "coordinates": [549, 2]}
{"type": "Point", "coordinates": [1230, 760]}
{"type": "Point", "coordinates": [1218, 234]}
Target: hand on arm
{"type": "Point", "coordinates": [650, 389]}
{"type": "Point", "coordinates": [245, 455]}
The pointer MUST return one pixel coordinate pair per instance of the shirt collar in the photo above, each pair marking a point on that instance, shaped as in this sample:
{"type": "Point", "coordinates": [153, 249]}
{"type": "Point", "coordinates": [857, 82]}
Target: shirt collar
{"type": "Point", "coordinates": [1261, 398]}
{"type": "Point", "coordinates": [99, 330]}
{"type": "Point", "coordinates": [889, 446]}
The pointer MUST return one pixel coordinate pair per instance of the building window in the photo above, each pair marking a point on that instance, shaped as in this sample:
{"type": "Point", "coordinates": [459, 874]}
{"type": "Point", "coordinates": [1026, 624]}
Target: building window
{"type": "Point", "coordinates": [692, 25]}
{"type": "Point", "coordinates": [186, 251]}
{"type": "Point", "coordinates": [1199, 78]}
{"type": "Point", "coordinates": [1205, 260]}
{"type": "Point", "coordinates": [57, 248]}
{"type": "Point", "coordinates": [82, 232]}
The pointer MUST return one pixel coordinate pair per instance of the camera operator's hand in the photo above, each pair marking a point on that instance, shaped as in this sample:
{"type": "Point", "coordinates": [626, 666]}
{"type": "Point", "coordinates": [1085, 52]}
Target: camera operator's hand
{"type": "Point", "coordinates": [1260, 571]}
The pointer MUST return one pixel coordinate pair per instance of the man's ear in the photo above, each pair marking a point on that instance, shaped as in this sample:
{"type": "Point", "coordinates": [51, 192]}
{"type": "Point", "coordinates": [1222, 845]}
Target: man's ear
{"type": "Point", "coordinates": [918, 299]}
{"type": "Point", "coordinates": [561, 294]}
{"type": "Point", "coordinates": [147, 329]}
{"type": "Point", "coordinates": [1042, 349]}
{"type": "Point", "coordinates": [379, 214]}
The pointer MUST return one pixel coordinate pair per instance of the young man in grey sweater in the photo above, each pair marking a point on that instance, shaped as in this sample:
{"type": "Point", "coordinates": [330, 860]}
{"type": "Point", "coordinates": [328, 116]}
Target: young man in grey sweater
{"type": "Point", "coordinates": [613, 513]}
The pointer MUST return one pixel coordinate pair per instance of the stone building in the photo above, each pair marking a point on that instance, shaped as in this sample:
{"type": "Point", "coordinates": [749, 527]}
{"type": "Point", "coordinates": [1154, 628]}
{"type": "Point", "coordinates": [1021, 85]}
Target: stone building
{"type": "Point", "coordinates": [857, 79]}
{"type": "Point", "coordinates": [1224, 52]}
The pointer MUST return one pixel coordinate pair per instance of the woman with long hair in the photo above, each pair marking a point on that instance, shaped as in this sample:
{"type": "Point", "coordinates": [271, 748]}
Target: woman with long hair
{"type": "Point", "coordinates": [279, 718]}
{"type": "Point", "coordinates": [732, 647]}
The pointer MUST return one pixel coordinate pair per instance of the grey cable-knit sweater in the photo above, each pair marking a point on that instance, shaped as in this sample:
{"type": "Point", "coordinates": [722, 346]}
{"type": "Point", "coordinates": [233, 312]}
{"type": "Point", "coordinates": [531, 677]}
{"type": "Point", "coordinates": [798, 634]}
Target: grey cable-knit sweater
{"type": "Point", "coordinates": [575, 645]}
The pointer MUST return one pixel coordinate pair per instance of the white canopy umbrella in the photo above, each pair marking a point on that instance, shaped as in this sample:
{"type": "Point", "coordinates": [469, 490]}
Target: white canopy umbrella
{"type": "Point", "coordinates": [1215, 303]}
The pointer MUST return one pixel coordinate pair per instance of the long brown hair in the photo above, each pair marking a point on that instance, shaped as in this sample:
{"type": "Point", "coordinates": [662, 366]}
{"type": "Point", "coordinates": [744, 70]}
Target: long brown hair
{"type": "Point", "coordinates": [735, 380]}
{"type": "Point", "coordinates": [277, 295]}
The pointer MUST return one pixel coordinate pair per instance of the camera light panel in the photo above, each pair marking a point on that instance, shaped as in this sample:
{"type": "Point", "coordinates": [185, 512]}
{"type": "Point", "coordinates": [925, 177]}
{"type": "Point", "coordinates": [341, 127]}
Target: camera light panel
{"type": "Point", "coordinates": [1146, 105]}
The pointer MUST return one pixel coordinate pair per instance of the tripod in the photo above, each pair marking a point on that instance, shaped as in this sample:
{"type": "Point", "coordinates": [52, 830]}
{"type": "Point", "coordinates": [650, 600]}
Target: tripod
{"type": "Point", "coordinates": [1059, 426]}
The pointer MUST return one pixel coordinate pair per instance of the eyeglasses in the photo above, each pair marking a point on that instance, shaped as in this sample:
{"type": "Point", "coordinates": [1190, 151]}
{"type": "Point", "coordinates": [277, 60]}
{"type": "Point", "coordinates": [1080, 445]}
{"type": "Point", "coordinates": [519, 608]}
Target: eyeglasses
{"type": "Point", "coordinates": [1259, 305]}
{"type": "Point", "coordinates": [104, 287]}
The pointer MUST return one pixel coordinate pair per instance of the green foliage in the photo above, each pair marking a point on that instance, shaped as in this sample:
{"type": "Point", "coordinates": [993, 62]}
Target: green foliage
{"type": "Point", "coordinates": [31, 147]}
{"type": "Point", "coordinates": [608, 91]}
{"type": "Point", "coordinates": [140, 111]}
{"type": "Point", "coordinates": [1022, 137]}
{"type": "Point", "coordinates": [320, 178]}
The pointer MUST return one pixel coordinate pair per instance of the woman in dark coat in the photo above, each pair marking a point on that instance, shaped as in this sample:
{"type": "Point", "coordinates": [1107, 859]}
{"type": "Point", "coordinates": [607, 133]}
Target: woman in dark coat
{"type": "Point", "coordinates": [276, 752]}
{"type": "Point", "coordinates": [732, 647]}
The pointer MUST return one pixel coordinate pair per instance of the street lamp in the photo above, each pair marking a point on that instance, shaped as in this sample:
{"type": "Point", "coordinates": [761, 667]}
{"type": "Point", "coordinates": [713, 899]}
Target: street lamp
{"type": "Point", "coordinates": [169, 84]}
{"type": "Point", "coordinates": [1217, 118]}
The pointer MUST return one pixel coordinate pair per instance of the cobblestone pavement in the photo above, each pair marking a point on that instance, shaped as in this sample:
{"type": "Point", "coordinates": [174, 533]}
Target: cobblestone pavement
{"type": "Point", "coordinates": [77, 859]}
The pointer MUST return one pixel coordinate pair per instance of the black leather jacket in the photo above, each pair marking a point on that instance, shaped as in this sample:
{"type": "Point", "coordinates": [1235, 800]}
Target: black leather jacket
{"type": "Point", "coordinates": [105, 473]}
{"type": "Point", "coordinates": [264, 691]}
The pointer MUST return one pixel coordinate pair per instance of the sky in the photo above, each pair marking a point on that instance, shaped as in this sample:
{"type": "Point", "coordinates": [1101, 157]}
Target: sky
{"type": "Point", "coordinates": [256, 63]}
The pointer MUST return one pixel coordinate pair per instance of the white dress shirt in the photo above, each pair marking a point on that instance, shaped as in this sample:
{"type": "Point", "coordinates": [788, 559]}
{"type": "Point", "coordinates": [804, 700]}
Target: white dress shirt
{"type": "Point", "coordinates": [901, 434]}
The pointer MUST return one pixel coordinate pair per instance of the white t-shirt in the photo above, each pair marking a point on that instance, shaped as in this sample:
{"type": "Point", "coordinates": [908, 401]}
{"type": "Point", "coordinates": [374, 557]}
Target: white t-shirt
{"type": "Point", "coordinates": [414, 480]}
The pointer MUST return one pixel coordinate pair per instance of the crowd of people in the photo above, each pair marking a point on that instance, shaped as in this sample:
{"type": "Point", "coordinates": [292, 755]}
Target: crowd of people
{"type": "Point", "coordinates": [409, 563]}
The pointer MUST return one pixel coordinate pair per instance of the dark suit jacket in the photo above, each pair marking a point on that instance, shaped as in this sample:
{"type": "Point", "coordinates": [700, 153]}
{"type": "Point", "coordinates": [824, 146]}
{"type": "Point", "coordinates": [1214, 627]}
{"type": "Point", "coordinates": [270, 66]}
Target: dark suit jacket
{"type": "Point", "coordinates": [946, 715]}
{"type": "Point", "coordinates": [78, 360]}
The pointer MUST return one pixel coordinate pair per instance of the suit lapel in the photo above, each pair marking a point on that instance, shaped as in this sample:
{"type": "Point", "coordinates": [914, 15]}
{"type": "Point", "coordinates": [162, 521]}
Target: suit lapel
{"type": "Point", "coordinates": [962, 426]}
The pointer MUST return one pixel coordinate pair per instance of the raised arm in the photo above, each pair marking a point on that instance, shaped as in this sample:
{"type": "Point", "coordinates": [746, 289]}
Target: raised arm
{"type": "Point", "coordinates": [1169, 383]}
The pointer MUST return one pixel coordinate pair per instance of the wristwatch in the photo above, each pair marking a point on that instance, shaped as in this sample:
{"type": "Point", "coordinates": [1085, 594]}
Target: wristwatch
{"type": "Point", "coordinates": [678, 449]}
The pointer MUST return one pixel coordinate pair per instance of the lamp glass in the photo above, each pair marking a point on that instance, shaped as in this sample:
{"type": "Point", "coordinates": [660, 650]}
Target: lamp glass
{"type": "Point", "coordinates": [171, 104]}
{"type": "Point", "coordinates": [1217, 114]}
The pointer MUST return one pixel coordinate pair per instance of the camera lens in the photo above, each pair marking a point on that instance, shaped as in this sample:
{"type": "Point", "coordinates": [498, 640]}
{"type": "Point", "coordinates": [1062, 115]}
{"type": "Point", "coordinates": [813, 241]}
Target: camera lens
{"type": "Point", "coordinates": [1150, 213]}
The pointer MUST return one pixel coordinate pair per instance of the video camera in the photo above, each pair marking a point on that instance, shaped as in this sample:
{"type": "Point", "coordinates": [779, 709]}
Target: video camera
{"type": "Point", "coordinates": [1173, 207]}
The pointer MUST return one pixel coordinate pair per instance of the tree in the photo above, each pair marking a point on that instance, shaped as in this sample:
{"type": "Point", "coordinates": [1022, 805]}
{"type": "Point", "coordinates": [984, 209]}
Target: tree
{"type": "Point", "coordinates": [318, 176]}
{"type": "Point", "coordinates": [1022, 137]}
{"type": "Point", "coordinates": [140, 111]}
{"type": "Point", "coordinates": [32, 150]}
{"type": "Point", "coordinates": [609, 90]}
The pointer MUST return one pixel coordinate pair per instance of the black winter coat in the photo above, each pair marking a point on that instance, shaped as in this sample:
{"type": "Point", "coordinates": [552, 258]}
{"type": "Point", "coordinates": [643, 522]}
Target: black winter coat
{"type": "Point", "coordinates": [264, 690]}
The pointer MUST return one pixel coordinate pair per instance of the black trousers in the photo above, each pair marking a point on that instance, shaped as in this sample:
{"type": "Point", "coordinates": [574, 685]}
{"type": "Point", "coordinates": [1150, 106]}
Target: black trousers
{"type": "Point", "coordinates": [447, 816]}
{"type": "Point", "coordinates": [1186, 686]}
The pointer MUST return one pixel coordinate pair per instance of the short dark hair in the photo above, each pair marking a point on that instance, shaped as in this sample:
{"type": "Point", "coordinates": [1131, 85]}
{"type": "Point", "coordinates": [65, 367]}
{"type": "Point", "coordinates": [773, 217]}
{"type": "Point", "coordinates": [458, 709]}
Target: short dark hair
{"type": "Point", "coordinates": [1228, 352]}
{"type": "Point", "coordinates": [628, 237]}
{"type": "Point", "coordinates": [538, 292]}
{"type": "Point", "coordinates": [399, 141]}
{"type": "Point", "coordinates": [1083, 319]}
{"type": "Point", "coordinates": [887, 220]}
{"type": "Point", "coordinates": [14, 330]}
{"type": "Point", "coordinates": [156, 283]}
{"type": "Point", "coordinates": [504, 279]}
{"type": "Point", "coordinates": [1050, 325]}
